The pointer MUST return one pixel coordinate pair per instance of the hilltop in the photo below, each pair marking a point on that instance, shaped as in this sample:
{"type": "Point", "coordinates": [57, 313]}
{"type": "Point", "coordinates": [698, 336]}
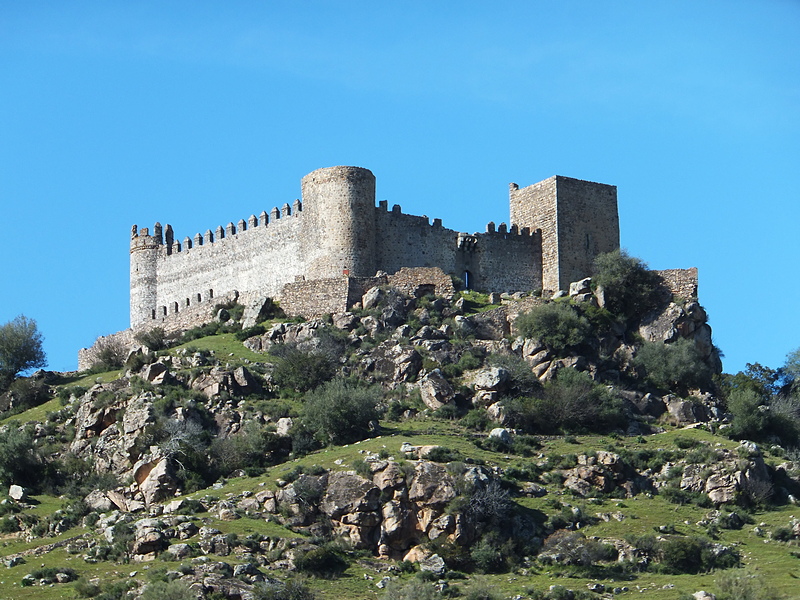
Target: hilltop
{"type": "Point", "coordinates": [582, 445]}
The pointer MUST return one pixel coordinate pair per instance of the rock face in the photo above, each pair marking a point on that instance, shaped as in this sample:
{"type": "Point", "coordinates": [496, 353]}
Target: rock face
{"type": "Point", "coordinates": [730, 475]}
{"type": "Point", "coordinates": [436, 390]}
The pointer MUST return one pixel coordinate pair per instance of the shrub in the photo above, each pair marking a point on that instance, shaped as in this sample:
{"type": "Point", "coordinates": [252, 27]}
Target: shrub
{"type": "Point", "coordinates": [487, 557]}
{"type": "Point", "coordinates": [110, 354]}
{"type": "Point", "coordinates": [24, 394]}
{"type": "Point", "coordinates": [476, 419]}
{"type": "Point", "coordinates": [556, 324]}
{"type": "Point", "coordinates": [750, 421]}
{"type": "Point", "coordinates": [630, 288]}
{"type": "Point", "coordinates": [571, 403]}
{"type": "Point", "coordinates": [695, 555]}
{"type": "Point", "coordinates": [293, 589]}
{"type": "Point", "coordinates": [340, 412]}
{"type": "Point", "coordinates": [154, 339]}
{"type": "Point", "coordinates": [167, 590]}
{"type": "Point", "coordinates": [737, 585]}
{"type": "Point", "coordinates": [19, 461]}
{"type": "Point", "coordinates": [676, 367]}
{"type": "Point", "coordinates": [490, 507]}
{"type": "Point", "coordinates": [415, 589]}
{"type": "Point", "coordinates": [86, 589]}
{"type": "Point", "coordinates": [9, 525]}
{"type": "Point", "coordinates": [249, 332]}
{"type": "Point", "coordinates": [302, 371]}
{"type": "Point", "coordinates": [481, 590]}
{"type": "Point", "coordinates": [573, 548]}
{"type": "Point", "coordinates": [523, 381]}
{"type": "Point", "coordinates": [324, 561]}
{"type": "Point", "coordinates": [252, 448]}
{"type": "Point", "coordinates": [443, 455]}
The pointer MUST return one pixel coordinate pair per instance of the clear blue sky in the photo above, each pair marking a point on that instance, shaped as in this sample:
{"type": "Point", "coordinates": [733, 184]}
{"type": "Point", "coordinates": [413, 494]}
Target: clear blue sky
{"type": "Point", "coordinates": [199, 113]}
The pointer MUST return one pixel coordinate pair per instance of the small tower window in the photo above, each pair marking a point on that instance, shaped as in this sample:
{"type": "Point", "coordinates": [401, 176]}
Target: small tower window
{"type": "Point", "coordinates": [467, 280]}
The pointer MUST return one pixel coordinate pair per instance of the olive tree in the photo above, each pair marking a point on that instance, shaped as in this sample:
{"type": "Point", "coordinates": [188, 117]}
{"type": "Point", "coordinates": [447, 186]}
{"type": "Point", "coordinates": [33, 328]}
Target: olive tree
{"type": "Point", "coordinates": [20, 348]}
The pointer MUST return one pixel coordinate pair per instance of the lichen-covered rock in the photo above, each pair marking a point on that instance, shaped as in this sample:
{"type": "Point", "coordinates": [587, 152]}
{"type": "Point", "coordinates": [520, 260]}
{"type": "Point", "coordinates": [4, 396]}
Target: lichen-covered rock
{"type": "Point", "coordinates": [349, 493]}
{"type": "Point", "coordinates": [436, 391]}
{"type": "Point", "coordinates": [431, 485]}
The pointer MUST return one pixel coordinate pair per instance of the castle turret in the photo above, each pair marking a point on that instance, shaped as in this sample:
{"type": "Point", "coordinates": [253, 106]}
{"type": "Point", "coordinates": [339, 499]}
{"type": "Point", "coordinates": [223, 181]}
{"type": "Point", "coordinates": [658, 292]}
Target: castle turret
{"type": "Point", "coordinates": [339, 228]}
{"type": "Point", "coordinates": [578, 219]}
{"type": "Point", "coordinates": [145, 250]}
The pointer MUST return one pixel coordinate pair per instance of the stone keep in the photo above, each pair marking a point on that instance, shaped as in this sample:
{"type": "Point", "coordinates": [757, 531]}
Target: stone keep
{"type": "Point", "coordinates": [337, 233]}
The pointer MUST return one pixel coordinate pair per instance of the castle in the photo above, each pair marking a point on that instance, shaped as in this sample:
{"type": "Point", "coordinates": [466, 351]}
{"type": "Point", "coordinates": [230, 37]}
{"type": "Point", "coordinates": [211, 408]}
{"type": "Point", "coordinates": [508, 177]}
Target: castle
{"type": "Point", "coordinates": [320, 253]}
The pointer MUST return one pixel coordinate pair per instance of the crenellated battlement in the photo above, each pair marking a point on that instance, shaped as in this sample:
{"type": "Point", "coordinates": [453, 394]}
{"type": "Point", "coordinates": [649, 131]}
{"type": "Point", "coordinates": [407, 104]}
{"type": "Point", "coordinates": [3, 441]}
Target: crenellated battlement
{"type": "Point", "coordinates": [164, 237]}
{"type": "Point", "coordinates": [336, 230]}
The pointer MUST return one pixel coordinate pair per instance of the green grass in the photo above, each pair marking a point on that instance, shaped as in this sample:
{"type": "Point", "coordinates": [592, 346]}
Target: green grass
{"type": "Point", "coordinates": [225, 346]}
{"type": "Point", "coordinates": [643, 514]}
{"type": "Point", "coordinates": [37, 413]}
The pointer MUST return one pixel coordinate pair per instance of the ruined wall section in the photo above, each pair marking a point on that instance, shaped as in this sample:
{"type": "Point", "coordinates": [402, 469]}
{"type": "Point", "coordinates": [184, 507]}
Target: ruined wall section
{"type": "Point", "coordinates": [681, 282]}
{"type": "Point", "coordinates": [578, 219]}
{"type": "Point", "coordinates": [170, 278]}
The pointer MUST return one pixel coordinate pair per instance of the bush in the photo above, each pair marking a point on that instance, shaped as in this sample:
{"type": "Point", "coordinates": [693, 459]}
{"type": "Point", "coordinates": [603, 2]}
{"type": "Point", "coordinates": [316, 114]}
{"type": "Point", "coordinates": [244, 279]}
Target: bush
{"type": "Point", "coordinates": [481, 590]}
{"type": "Point", "coordinates": [250, 332]}
{"type": "Point", "coordinates": [555, 324]}
{"type": "Point", "coordinates": [523, 381]}
{"type": "Point", "coordinates": [20, 349]}
{"type": "Point", "coordinates": [573, 548]}
{"type": "Point", "coordinates": [293, 589]}
{"type": "Point", "coordinates": [673, 367]}
{"type": "Point", "coordinates": [694, 555]}
{"type": "Point", "coordinates": [340, 412]}
{"type": "Point", "coordinates": [442, 454]}
{"type": "Point", "coordinates": [154, 339]}
{"type": "Point", "coordinates": [86, 589]}
{"type": "Point", "coordinates": [630, 288]}
{"type": "Point", "coordinates": [110, 354]}
{"type": "Point", "coordinates": [19, 461]}
{"type": "Point", "coordinates": [167, 590]}
{"type": "Point", "coordinates": [302, 371]}
{"type": "Point", "coordinates": [324, 561]}
{"type": "Point", "coordinates": [252, 448]}
{"type": "Point", "coordinates": [571, 403]}
{"type": "Point", "coordinates": [24, 394]}
{"type": "Point", "coordinates": [415, 589]}
{"type": "Point", "coordinates": [750, 418]}
{"type": "Point", "coordinates": [737, 585]}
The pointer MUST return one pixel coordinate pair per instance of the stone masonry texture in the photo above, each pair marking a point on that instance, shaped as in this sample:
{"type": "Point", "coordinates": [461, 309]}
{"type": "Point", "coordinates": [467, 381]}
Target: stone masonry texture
{"type": "Point", "coordinates": [321, 253]}
{"type": "Point", "coordinates": [336, 231]}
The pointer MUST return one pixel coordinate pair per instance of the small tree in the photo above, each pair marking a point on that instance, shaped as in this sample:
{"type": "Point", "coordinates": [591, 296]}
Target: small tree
{"type": "Point", "coordinates": [677, 366]}
{"type": "Point", "coordinates": [629, 287]}
{"type": "Point", "coordinates": [340, 412]}
{"type": "Point", "coordinates": [20, 348]}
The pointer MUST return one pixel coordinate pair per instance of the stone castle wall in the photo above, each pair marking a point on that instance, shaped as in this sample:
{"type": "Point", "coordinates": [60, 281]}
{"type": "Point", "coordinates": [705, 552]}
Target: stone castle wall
{"type": "Point", "coordinates": [681, 282]}
{"type": "Point", "coordinates": [264, 256]}
{"type": "Point", "coordinates": [578, 220]}
{"type": "Point", "coordinates": [336, 230]}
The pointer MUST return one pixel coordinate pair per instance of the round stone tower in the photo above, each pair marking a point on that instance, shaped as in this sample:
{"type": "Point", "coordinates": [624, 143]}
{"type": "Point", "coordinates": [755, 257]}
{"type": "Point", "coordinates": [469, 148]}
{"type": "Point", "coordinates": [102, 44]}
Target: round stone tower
{"type": "Point", "coordinates": [145, 250]}
{"type": "Point", "coordinates": [338, 235]}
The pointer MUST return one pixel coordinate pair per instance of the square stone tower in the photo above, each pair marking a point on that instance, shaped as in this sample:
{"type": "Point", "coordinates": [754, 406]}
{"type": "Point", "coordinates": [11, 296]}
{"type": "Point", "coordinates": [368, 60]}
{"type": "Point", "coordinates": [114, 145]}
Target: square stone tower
{"type": "Point", "coordinates": [578, 219]}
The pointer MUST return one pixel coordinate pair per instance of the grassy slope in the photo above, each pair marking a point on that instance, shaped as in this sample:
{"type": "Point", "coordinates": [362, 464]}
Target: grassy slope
{"type": "Point", "coordinates": [643, 514]}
